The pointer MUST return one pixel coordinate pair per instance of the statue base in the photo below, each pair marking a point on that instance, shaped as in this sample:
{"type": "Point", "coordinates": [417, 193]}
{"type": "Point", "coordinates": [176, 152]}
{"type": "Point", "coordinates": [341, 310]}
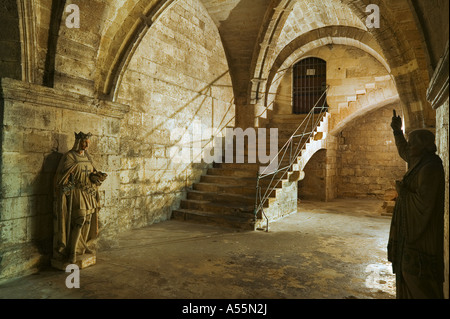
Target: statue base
{"type": "Point", "coordinates": [82, 262]}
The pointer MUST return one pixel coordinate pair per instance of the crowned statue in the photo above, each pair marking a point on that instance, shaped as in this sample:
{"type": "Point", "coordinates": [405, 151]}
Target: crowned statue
{"type": "Point", "coordinates": [76, 205]}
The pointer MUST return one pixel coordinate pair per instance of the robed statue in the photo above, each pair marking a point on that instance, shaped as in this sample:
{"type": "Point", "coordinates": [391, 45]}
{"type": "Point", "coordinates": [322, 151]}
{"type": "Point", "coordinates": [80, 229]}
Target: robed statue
{"type": "Point", "coordinates": [77, 203]}
{"type": "Point", "coordinates": [416, 238]}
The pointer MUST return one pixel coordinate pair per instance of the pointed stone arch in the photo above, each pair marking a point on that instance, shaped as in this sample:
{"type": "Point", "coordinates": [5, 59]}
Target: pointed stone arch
{"type": "Point", "coordinates": [120, 40]}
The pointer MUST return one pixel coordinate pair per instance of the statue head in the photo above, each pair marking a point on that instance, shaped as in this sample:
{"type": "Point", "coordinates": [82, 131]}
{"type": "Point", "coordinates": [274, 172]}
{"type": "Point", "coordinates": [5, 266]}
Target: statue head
{"type": "Point", "coordinates": [421, 142]}
{"type": "Point", "coordinates": [82, 141]}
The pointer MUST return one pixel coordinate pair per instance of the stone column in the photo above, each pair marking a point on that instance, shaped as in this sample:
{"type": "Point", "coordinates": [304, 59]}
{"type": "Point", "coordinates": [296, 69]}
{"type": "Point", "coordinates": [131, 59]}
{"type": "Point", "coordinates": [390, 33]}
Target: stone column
{"type": "Point", "coordinates": [245, 115]}
{"type": "Point", "coordinates": [437, 95]}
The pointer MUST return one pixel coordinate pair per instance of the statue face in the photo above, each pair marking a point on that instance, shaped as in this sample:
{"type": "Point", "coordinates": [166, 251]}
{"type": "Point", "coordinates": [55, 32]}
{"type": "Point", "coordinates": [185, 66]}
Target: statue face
{"type": "Point", "coordinates": [84, 144]}
{"type": "Point", "coordinates": [414, 147]}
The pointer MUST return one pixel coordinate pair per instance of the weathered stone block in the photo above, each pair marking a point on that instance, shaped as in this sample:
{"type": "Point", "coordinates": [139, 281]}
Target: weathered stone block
{"type": "Point", "coordinates": [12, 139]}
{"type": "Point", "coordinates": [14, 208]}
{"type": "Point", "coordinates": [40, 227]}
{"type": "Point", "coordinates": [10, 186]}
{"type": "Point", "coordinates": [13, 231]}
{"type": "Point", "coordinates": [14, 162]}
{"type": "Point", "coordinates": [38, 141]}
{"type": "Point", "coordinates": [111, 127]}
{"type": "Point", "coordinates": [36, 184]}
{"type": "Point", "coordinates": [21, 260]}
{"type": "Point", "coordinates": [75, 122]}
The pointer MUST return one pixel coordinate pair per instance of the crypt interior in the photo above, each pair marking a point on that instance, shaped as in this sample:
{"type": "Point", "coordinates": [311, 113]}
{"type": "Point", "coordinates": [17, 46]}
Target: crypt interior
{"type": "Point", "coordinates": [146, 76]}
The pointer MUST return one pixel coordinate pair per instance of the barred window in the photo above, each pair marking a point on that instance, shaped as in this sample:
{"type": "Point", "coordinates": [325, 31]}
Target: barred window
{"type": "Point", "coordinates": [309, 83]}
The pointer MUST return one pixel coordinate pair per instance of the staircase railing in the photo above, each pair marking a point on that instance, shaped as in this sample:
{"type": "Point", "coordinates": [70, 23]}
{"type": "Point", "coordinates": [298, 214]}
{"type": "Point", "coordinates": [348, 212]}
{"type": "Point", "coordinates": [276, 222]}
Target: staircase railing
{"type": "Point", "coordinates": [307, 128]}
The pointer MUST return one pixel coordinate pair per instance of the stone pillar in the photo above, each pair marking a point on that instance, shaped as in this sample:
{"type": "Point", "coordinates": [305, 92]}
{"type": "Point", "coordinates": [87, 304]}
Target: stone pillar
{"type": "Point", "coordinates": [437, 95]}
{"type": "Point", "coordinates": [331, 167]}
{"type": "Point", "coordinates": [245, 116]}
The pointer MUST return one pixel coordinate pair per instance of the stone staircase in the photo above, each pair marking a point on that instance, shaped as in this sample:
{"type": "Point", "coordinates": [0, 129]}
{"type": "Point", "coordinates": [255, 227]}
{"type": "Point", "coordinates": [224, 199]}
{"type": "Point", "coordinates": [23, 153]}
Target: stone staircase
{"type": "Point", "coordinates": [376, 90]}
{"type": "Point", "coordinates": [226, 194]}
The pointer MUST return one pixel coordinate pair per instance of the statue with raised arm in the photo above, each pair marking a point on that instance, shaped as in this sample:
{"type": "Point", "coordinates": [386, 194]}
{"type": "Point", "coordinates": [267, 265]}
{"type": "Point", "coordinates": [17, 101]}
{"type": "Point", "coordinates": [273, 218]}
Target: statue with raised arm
{"type": "Point", "coordinates": [76, 202]}
{"type": "Point", "coordinates": [416, 239]}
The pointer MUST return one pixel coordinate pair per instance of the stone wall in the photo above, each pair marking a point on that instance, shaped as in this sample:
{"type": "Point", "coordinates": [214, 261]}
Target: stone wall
{"type": "Point", "coordinates": [313, 185]}
{"type": "Point", "coordinates": [438, 96]}
{"type": "Point", "coordinates": [175, 96]}
{"type": "Point", "coordinates": [368, 162]}
{"type": "Point", "coordinates": [38, 126]}
{"type": "Point", "coordinates": [177, 84]}
{"type": "Point", "coordinates": [442, 116]}
{"type": "Point", "coordinates": [10, 54]}
{"type": "Point", "coordinates": [358, 161]}
{"type": "Point", "coordinates": [347, 81]}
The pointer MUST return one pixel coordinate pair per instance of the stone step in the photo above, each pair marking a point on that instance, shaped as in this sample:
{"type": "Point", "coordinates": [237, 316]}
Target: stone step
{"type": "Point", "coordinates": [219, 198]}
{"type": "Point", "coordinates": [290, 128]}
{"type": "Point", "coordinates": [240, 170]}
{"type": "Point", "coordinates": [271, 180]}
{"type": "Point", "coordinates": [246, 159]}
{"type": "Point", "coordinates": [239, 173]}
{"type": "Point", "coordinates": [190, 215]}
{"type": "Point", "coordinates": [232, 180]}
{"type": "Point", "coordinates": [282, 160]}
{"type": "Point", "coordinates": [282, 139]}
{"type": "Point", "coordinates": [254, 144]}
{"type": "Point", "coordinates": [293, 122]}
{"type": "Point", "coordinates": [252, 153]}
{"type": "Point", "coordinates": [360, 92]}
{"type": "Point", "coordinates": [224, 208]}
{"type": "Point", "coordinates": [232, 172]}
{"type": "Point", "coordinates": [229, 189]}
{"type": "Point", "coordinates": [288, 132]}
{"type": "Point", "coordinates": [295, 140]}
{"type": "Point", "coordinates": [228, 180]}
{"type": "Point", "coordinates": [247, 166]}
{"type": "Point", "coordinates": [226, 194]}
{"type": "Point", "coordinates": [283, 135]}
{"type": "Point", "coordinates": [288, 118]}
{"type": "Point", "coordinates": [268, 134]}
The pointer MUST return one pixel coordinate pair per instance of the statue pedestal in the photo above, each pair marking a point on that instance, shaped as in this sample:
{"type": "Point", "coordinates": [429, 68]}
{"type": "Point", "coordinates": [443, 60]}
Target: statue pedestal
{"type": "Point", "coordinates": [83, 261]}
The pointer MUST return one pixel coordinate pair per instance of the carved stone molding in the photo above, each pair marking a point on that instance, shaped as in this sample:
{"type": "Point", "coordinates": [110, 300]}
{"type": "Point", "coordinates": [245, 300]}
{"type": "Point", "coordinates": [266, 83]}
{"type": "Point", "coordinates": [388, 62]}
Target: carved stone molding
{"type": "Point", "coordinates": [27, 37]}
{"type": "Point", "coordinates": [15, 90]}
{"type": "Point", "coordinates": [437, 91]}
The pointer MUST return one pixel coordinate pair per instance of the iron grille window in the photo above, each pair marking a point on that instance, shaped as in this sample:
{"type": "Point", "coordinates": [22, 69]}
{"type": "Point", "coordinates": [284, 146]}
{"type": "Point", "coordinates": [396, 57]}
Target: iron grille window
{"type": "Point", "coordinates": [309, 83]}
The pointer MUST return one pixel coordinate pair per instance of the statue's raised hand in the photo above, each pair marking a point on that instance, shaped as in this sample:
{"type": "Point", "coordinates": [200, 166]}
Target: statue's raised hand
{"type": "Point", "coordinates": [396, 123]}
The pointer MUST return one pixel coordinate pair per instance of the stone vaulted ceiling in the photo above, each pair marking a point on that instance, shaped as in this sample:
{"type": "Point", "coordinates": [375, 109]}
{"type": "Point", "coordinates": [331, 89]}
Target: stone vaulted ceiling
{"type": "Point", "coordinates": [259, 37]}
{"type": "Point", "coordinates": [255, 33]}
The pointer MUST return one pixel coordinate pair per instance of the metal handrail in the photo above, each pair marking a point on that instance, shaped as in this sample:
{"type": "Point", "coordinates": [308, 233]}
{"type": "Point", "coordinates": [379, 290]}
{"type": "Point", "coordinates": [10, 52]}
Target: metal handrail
{"type": "Point", "coordinates": [261, 199]}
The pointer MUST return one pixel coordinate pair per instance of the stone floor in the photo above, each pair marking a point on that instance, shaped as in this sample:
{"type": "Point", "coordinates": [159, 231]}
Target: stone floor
{"type": "Point", "coordinates": [334, 250]}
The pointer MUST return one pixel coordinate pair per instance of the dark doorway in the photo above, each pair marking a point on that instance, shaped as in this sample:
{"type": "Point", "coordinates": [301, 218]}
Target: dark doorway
{"type": "Point", "coordinates": [309, 84]}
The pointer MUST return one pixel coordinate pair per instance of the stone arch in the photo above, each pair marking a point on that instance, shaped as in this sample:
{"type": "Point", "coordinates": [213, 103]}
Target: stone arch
{"type": "Point", "coordinates": [394, 102]}
{"type": "Point", "coordinates": [404, 52]}
{"type": "Point", "coordinates": [285, 17]}
{"type": "Point", "coordinates": [297, 48]}
{"type": "Point", "coordinates": [302, 46]}
{"type": "Point", "coordinates": [270, 33]}
{"type": "Point", "coordinates": [120, 40]}
{"type": "Point", "coordinates": [402, 44]}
